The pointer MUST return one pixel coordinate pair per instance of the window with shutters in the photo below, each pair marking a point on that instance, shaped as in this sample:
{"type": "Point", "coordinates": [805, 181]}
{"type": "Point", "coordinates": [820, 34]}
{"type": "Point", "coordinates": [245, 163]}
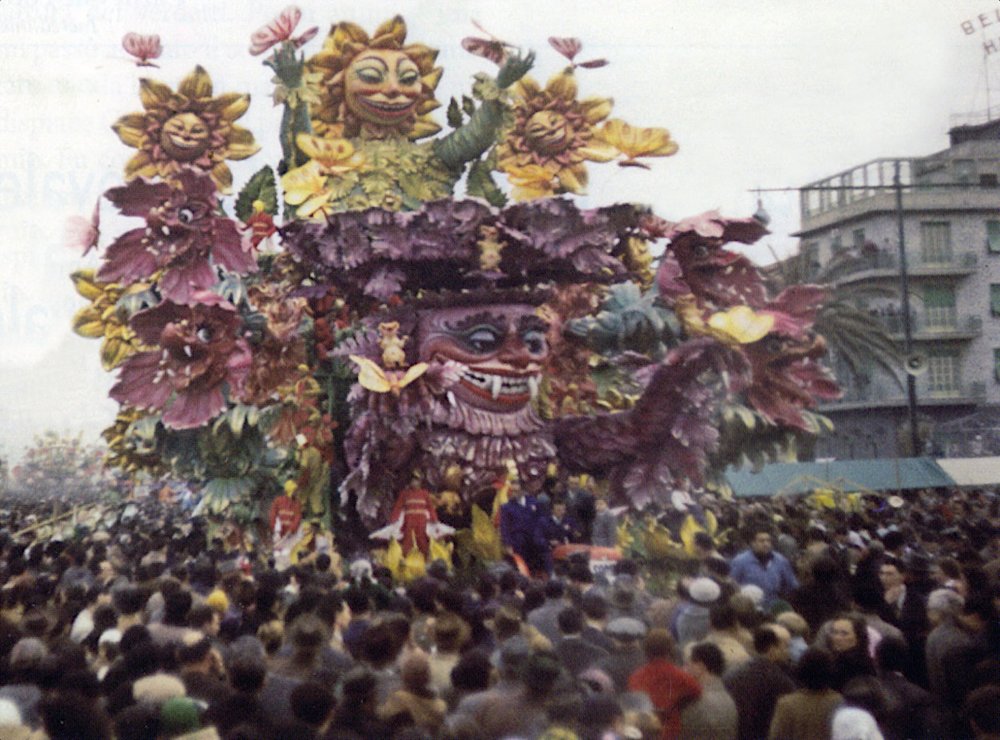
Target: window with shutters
{"type": "Point", "coordinates": [939, 307]}
{"type": "Point", "coordinates": [942, 373]}
{"type": "Point", "coordinates": [935, 242]}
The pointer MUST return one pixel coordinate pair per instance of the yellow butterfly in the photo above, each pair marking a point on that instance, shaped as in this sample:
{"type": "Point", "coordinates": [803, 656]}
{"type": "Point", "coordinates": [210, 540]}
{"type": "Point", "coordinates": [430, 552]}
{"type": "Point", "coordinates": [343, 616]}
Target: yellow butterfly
{"type": "Point", "coordinates": [741, 324]}
{"type": "Point", "coordinates": [375, 379]}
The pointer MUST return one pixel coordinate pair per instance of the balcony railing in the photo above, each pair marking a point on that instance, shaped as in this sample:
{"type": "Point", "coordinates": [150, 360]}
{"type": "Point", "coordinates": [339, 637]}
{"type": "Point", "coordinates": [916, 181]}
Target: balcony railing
{"type": "Point", "coordinates": [886, 264]}
{"type": "Point", "coordinates": [880, 395]}
{"type": "Point", "coordinates": [943, 326]}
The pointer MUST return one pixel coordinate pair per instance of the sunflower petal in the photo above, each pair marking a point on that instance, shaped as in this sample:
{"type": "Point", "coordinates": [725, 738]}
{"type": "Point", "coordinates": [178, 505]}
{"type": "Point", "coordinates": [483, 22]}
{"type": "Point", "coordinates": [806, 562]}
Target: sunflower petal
{"type": "Point", "coordinates": [526, 88]}
{"type": "Point", "coordinates": [596, 110]}
{"type": "Point", "coordinates": [87, 323]}
{"type": "Point", "coordinates": [574, 179]}
{"type": "Point", "coordinates": [345, 33]}
{"type": "Point", "coordinates": [86, 285]}
{"type": "Point", "coordinates": [241, 143]}
{"type": "Point", "coordinates": [597, 150]}
{"type": "Point", "coordinates": [196, 85]}
{"type": "Point", "coordinates": [139, 166]}
{"type": "Point", "coordinates": [131, 129]}
{"type": "Point", "coordinates": [223, 178]}
{"type": "Point", "coordinates": [390, 34]}
{"type": "Point", "coordinates": [230, 106]}
{"type": "Point", "coordinates": [154, 94]}
{"type": "Point", "coordinates": [423, 56]}
{"type": "Point", "coordinates": [562, 85]}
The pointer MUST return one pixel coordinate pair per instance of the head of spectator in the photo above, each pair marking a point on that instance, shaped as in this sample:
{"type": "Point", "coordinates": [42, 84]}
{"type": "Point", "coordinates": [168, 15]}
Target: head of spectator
{"type": "Point", "coordinates": [570, 622]}
{"type": "Point", "coordinates": [706, 659]}
{"type": "Point", "coordinates": [815, 669]}
{"type": "Point", "coordinates": [659, 645]}
{"type": "Point", "coordinates": [450, 633]}
{"type": "Point", "coordinates": [848, 633]}
{"type": "Point", "coordinates": [980, 711]}
{"type": "Point", "coordinates": [772, 641]}
{"type": "Point", "coordinates": [471, 673]}
{"type": "Point", "coordinates": [943, 605]}
{"type": "Point", "coordinates": [312, 703]}
{"type": "Point", "coordinates": [761, 542]}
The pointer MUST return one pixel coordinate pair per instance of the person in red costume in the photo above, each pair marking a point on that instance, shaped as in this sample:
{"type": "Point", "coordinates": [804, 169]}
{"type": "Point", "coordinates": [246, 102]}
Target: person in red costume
{"type": "Point", "coordinates": [668, 687]}
{"type": "Point", "coordinates": [286, 512]}
{"type": "Point", "coordinates": [413, 519]}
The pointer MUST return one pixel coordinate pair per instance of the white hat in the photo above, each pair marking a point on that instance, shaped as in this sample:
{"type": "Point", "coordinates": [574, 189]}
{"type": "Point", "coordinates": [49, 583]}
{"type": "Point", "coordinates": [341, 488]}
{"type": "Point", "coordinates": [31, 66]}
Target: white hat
{"type": "Point", "coordinates": [753, 592]}
{"type": "Point", "coordinates": [704, 591]}
{"type": "Point", "coordinates": [896, 502]}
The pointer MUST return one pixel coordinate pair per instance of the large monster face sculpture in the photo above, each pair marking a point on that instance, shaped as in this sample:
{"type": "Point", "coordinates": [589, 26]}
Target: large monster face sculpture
{"type": "Point", "coordinates": [499, 350]}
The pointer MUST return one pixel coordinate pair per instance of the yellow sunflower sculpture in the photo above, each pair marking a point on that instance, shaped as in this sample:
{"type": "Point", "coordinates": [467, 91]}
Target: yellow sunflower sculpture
{"type": "Point", "coordinates": [187, 128]}
{"type": "Point", "coordinates": [104, 319]}
{"type": "Point", "coordinates": [553, 136]}
{"type": "Point", "coordinates": [374, 86]}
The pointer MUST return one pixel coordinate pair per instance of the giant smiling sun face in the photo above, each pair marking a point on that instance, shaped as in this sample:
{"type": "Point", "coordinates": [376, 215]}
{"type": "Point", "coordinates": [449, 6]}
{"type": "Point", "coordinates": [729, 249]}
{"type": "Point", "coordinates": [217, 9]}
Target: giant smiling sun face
{"type": "Point", "coordinates": [382, 87]}
{"type": "Point", "coordinates": [501, 351]}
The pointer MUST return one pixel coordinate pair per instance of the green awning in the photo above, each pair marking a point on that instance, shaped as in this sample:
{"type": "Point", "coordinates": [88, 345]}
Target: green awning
{"type": "Point", "coordinates": [885, 474]}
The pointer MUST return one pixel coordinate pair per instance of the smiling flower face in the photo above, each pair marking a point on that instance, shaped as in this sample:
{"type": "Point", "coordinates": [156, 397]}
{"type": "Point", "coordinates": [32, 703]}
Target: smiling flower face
{"type": "Point", "coordinates": [375, 85]}
{"type": "Point", "coordinates": [199, 354]}
{"type": "Point", "coordinates": [186, 128]}
{"type": "Point", "coordinates": [555, 132]}
{"type": "Point", "coordinates": [500, 351]}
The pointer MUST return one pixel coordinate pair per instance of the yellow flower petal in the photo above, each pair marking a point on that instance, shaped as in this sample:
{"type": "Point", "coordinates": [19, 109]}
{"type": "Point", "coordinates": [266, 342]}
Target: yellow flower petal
{"type": "Point", "coordinates": [596, 110]}
{"type": "Point", "coordinates": [303, 182]}
{"type": "Point", "coordinates": [597, 150]}
{"type": "Point", "coordinates": [345, 33]}
{"type": "Point", "coordinates": [114, 352]}
{"type": "Point", "coordinates": [423, 56]}
{"type": "Point", "coordinates": [562, 85]}
{"type": "Point", "coordinates": [86, 285]}
{"type": "Point", "coordinates": [196, 85]}
{"type": "Point", "coordinates": [153, 93]}
{"type": "Point", "coordinates": [432, 78]}
{"type": "Point", "coordinates": [241, 144]}
{"type": "Point", "coordinates": [131, 129]}
{"type": "Point", "coordinates": [424, 127]}
{"type": "Point", "coordinates": [531, 182]}
{"type": "Point", "coordinates": [87, 323]}
{"type": "Point", "coordinates": [574, 179]}
{"type": "Point", "coordinates": [391, 33]}
{"type": "Point", "coordinates": [230, 106]}
{"type": "Point", "coordinates": [223, 178]}
{"type": "Point", "coordinates": [741, 324]}
{"type": "Point", "coordinates": [527, 88]}
{"type": "Point", "coordinates": [140, 165]}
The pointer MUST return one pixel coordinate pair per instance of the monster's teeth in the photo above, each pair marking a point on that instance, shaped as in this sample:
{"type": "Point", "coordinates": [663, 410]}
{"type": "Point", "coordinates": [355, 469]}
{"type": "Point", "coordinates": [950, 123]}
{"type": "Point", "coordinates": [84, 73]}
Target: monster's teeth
{"type": "Point", "coordinates": [451, 399]}
{"type": "Point", "coordinates": [496, 385]}
{"type": "Point", "coordinates": [533, 386]}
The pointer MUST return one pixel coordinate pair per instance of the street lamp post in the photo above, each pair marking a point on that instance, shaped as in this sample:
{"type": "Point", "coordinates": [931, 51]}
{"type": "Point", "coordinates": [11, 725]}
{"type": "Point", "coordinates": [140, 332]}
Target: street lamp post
{"type": "Point", "coordinates": [904, 289]}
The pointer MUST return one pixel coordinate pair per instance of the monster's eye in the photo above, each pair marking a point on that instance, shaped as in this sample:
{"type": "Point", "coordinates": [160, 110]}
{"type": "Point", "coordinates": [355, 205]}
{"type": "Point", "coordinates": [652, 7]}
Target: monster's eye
{"type": "Point", "coordinates": [483, 340]}
{"type": "Point", "coordinates": [701, 250]}
{"type": "Point", "coordinates": [204, 334]}
{"type": "Point", "coordinates": [774, 345]}
{"type": "Point", "coordinates": [535, 342]}
{"type": "Point", "coordinates": [185, 215]}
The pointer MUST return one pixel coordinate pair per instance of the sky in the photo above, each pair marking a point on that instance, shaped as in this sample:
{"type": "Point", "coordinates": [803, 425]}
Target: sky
{"type": "Point", "coordinates": [769, 94]}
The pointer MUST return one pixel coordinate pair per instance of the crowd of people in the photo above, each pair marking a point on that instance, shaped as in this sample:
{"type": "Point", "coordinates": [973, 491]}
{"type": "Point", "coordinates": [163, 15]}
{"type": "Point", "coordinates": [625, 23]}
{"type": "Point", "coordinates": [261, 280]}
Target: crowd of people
{"type": "Point", "coordinates": [797, 622]}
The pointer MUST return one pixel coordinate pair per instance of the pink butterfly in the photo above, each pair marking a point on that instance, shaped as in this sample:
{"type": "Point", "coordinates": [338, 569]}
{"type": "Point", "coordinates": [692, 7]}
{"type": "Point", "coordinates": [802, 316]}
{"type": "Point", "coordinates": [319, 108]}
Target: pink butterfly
{"type": "Point", "coordinates": [492, 48]}
{"type": "Point", "coordinates": [280, 29]}
{"type": "Point", "coordinates": [81, 234]}
{"type": "Point", "coordinates": [143, 48]}
{"type": "Point", "coordinates": [570, 47]}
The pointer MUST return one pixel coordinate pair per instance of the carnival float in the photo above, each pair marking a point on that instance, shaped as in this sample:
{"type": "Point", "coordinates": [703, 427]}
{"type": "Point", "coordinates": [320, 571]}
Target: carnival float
{"type": "Point", "coordinates": [404, 331]}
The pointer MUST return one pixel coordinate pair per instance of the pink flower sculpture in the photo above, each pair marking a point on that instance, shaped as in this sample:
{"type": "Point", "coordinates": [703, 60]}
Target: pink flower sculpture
{"type": "Point", "coordinates": [143, 48]}
{"type": "Point", "coordinates": [199, 355]}
{"type": "Point", "coordinates": [184, 235]}
{"type": "Point", "coordinates": [280, 29]}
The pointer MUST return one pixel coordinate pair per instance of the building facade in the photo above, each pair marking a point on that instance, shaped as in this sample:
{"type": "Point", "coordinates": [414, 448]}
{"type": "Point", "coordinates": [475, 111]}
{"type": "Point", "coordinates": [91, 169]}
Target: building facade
{"type": "Point", "coordinates": [950, 220]}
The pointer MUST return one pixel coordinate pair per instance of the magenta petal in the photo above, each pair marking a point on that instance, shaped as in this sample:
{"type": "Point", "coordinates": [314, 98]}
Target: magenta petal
{"type": "Point", "coordinates": [669, 278]}
{"type": "Point", "coordinates": [230, 248]}
{"type": "Point", "coordinates": [568, 47]}
{"type": "Point", "coordinates": [141, 384]}
{"type": "Point", "coordinates": [180, 283]}
{"type": "Point", "coordinates": [192, 409]}
{"type": "Point", "coordinates": [127, 259]}
{"type": "Point", "coordinates": [139, 197]}
{"type": "Point", "coordinates": [148, 324]}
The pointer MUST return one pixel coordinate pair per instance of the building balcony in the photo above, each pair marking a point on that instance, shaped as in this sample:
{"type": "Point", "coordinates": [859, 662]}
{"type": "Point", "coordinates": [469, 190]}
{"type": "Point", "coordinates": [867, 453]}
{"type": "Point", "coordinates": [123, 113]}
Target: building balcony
{"type": "Point", "coordinates": [881, 396]}
{"type": "Point", "coordinates": [882, 265]}
{"type": "Point", "coordinates": [948, 325]}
